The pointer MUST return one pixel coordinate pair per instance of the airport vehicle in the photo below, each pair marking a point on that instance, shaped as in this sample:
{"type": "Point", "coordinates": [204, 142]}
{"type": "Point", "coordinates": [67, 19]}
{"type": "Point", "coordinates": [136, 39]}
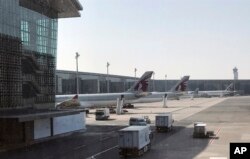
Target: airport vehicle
{"type": "Point", "coordinates": [176, 91]}
{"type": "Point", "coordinates": [139, 89]}
{"type": "Point", "coordinates": [134, 140]}
{"type": "Point", "coordinates": [147, 119]}
{"type": "Point", "coordinates": [141, 121]}
{"type": "Point", "coordinates": [201, 132]}
{"type": "Point", "coordinates": [128, 105]}
{"type": "Point", "coordinates": [215, 93]}
{"type": "Point", "coordinates": [102, 114]}
{"type": "Point", "coordinates": [164, 122]}
{"type": "Point", "coordinates": [112, 111]}
{"type": "Point", "coordinates": [137, 121]}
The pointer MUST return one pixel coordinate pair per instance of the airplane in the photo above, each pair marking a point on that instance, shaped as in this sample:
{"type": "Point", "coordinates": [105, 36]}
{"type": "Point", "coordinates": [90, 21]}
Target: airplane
{"type": "Point", "coordinates": [139, 89]}
{"type": "Point", "coordinates": [192, 94]}
{"type": "Point", "coordinates": [175, 92]}
{"type": "Point", "coordinates": [214, 93]}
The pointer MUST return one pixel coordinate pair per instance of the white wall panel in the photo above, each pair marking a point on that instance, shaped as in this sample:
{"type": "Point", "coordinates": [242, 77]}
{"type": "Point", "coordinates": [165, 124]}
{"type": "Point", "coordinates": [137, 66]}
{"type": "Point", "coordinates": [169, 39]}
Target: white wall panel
{"type": "Point", "coordinates": [69, 123]}
{"type": "Point", "coordinates": [42, 128]}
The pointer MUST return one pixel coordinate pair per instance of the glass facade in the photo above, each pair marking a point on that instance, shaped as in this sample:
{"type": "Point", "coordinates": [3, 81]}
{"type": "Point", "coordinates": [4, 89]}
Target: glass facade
{"type": "Point", "coordinates": [29, 39]}
{"type": "Point", "coordinates": [97, 83]}
{"type": "Point", "coordinates": [10, 18]}
{"type": "Point", "coordinates": [37, 32]}
{"type": "Point", "coordinates": [28, 46]}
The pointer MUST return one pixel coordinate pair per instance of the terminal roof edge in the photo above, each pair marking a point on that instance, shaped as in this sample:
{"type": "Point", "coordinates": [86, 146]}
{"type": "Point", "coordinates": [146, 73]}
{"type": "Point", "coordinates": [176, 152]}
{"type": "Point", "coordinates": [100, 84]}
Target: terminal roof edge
{"type": "Point", "coordinates": [62, 8]}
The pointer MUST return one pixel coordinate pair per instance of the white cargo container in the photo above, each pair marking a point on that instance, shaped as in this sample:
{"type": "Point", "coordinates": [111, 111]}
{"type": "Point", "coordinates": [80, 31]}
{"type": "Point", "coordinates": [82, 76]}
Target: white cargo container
{"type": "Point", "coordinates": [102, 114]}
{"type": "Point", "coordinates": [134, 140]}
{"type": "Point", "coordinates": [198, 122]}
{"type": "Point", "coordinates": [200, 130]}
{"type": "Point", "coordinates": [164, 122]}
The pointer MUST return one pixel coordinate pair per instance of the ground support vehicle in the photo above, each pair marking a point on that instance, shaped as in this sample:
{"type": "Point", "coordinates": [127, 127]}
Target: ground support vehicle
{"type": "Point", "coordinates": [201, 132]}
{"type": "Point", "coordinates": [134, 140]}
{"type": "Point", "coordinates": [164, 122]}
{"type": "Point", "coordinates": [102, 114]}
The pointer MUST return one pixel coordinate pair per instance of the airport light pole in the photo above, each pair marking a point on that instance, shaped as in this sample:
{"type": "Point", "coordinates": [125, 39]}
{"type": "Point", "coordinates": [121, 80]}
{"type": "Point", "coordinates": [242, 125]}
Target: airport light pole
{"type": "Point", "coordinates": [135, 72]}
{"type": "Point", "coordinates": [235, 71]}
{"type": "Point", "coordinates": [165, 82]}
{"type": "Point", "coordinates": [108, 76]}
{"type": "Point", "coordinates": [77, 81]}
{"type": "Point", "coordinates": [153, 81]}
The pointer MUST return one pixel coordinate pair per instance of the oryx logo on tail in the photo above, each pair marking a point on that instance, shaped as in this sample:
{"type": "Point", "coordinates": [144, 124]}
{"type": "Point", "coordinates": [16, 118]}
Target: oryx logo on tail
{"type": "Point", "coordinates": [142, 84]}
{"type": "Point", "coordinates": [182, 85]}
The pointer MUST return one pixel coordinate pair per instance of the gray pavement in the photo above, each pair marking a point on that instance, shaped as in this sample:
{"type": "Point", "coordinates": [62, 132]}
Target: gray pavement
{"type": "Point", "coordinates": [228, 117]}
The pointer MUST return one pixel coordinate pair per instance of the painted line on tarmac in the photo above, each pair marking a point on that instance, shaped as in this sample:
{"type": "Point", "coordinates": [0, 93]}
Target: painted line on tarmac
{"type": "Point", "coordinates": [181, 109]}
{"type": "Point", "coordinates": [79, 147]}
{"type": "Point", "coordinates": [216, 134]}
{"type": "Point", "coordinates": [106, 138]}
{"type": "Point", "coordinates": [93, 156]}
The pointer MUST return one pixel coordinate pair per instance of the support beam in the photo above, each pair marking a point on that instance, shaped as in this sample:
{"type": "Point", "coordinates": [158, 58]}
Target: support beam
{"type": "Point", "coordinates": [119, 105]}
{"type": "Point", "coordinates": [165, 101]}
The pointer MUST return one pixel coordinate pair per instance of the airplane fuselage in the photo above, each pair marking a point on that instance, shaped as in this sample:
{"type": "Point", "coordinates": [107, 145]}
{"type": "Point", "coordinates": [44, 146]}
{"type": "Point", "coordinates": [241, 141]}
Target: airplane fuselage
{"type": "Point", "coordinates": [218, 93]}
{"type": "Point", "coordinates": [96, 100]}
{"type": "Point", "coordinates": [157, 97]}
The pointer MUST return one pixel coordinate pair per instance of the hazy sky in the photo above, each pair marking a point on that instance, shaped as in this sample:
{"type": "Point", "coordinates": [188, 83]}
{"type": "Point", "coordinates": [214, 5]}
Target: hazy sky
{"type": "Point", "coordinates": [205, 39]}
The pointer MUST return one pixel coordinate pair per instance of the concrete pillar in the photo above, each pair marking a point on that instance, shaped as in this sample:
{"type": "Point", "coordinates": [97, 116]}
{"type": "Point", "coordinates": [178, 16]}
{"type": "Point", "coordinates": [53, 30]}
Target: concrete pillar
{"type": "Point", "coordinates": [165, 101]}
{"type": "Point", "coordinates": [221, 94]}
{"type": "Point", "coordinates": [118, 106]}
{"type": "Point", "coordinates": [122, 102]}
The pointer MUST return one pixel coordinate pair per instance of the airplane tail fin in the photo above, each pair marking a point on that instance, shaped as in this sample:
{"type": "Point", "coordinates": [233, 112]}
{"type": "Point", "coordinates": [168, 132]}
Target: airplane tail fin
{"type": "Point", "coordinates": [181, 85]}
{"type": "Point", "coordinates": [141, 86]}
{"type": "Point", "coordinates": [73, 102]}
{"type": "Point", "coordinates": [230, 87]}
{"type": "Point", "coordinates": [196, 91]}
{"type": "Point", "coordinates": [75, 97]}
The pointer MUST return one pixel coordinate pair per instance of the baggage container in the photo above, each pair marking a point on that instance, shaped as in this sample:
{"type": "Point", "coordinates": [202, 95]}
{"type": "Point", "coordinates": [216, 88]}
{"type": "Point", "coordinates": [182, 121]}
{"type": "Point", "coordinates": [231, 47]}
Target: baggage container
{"type": "Point", "coordinates": [164, 122]}
{"type": "Point", "coordinates": [134, 140]}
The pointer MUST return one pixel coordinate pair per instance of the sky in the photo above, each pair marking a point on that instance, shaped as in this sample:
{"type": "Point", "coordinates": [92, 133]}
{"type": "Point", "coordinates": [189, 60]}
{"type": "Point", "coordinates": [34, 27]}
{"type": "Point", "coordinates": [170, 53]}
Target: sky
{"type": "Point", "coordinates": [205, 39]}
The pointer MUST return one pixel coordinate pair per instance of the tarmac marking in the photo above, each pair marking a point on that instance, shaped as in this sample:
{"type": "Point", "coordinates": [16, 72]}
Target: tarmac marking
{"type": "Point", "coordinates": [79, 147]}
{"type": "Point", "coordinates": [181, 109]}
{"type": "Point", "coordinates": [93, 156]}
{"type": "Point", "coordinates": [105, 138]}
{"type": "Point", "coordinates": [216, 134]}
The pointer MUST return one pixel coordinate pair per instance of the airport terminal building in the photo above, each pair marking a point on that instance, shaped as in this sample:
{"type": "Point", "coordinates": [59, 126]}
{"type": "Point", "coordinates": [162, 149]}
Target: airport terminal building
{"type": "Point", "coordinates": [28, 47]}
{"type": "Point", "coordinates": [103, 83]}
{"type": "Point", "coordinates": [28, 51]}
{"type": "Point", "coordinates": [29, 80]}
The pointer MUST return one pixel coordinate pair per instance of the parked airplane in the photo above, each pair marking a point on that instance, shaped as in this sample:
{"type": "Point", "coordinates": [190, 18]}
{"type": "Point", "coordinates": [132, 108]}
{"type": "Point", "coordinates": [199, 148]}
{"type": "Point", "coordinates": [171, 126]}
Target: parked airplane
{"type": "Point", "coordinates": [175, 92]}
{"type": "Point", "coordinates": [192, 94]}
{"type": "Point", "coordinates": [139, 89]}
{"type": "Point", "coordinates": [215, 93]}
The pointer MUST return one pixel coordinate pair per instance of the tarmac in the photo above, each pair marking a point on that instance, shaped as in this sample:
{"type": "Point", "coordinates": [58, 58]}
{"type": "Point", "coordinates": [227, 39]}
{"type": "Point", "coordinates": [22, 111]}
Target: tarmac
{"type": "Point", "coordinates": [228, 117]}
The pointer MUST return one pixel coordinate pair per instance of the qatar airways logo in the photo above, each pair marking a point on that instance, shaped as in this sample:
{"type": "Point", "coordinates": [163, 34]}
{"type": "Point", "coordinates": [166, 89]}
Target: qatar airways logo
{"type": "Point", "coordinates": [182, 86]}
{"type": "Point", "coordinates": [142, 86]}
